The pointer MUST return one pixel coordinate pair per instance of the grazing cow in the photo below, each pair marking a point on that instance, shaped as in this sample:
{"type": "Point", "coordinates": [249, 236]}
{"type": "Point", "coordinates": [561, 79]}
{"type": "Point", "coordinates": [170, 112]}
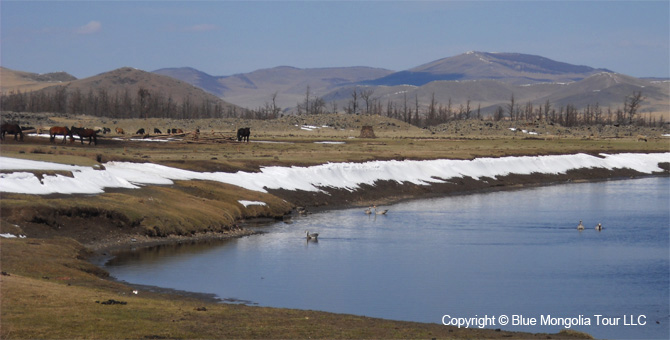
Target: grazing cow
{"type": "Point", "coordinates": [157, 131]}
{"type": "Point", "coordinates": [243, 133]}
{"type": "Point", "coordinates": [106, 130]}
{"type": "Point", "coordinates": [140, 131]}
{"type": "Point", "coordinates": [59, 130]}
{"type": "Point", "coordinates": [120, 131]}
{"type": "Point", "coordinates": [82, 132]}
{"type": "Point", "coordinates": [178, 131]}
{"type": "Point", "coordinates": [10, 128]}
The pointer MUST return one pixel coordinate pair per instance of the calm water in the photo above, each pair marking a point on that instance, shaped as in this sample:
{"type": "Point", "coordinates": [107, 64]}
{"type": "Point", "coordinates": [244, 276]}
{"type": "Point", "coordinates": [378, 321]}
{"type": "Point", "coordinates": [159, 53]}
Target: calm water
{"type": "Point", "coordinates": [503, 253]}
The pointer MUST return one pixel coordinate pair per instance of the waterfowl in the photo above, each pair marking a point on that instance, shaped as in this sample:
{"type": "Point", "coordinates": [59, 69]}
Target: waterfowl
{"type": "Point", "coordinates": [311, 236]}
{"type": "Point", "coordinates": [380, 212]}
{"type": "Point", "coordinates": [580, 226]}
{"type": "Point", "coordinates": [368, 210]}
{"type": "Point", "coordinates": [599, 226]}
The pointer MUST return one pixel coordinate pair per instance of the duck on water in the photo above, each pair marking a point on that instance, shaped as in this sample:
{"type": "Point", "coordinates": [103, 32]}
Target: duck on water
{"type": "Point", "coordinates": [314, 236]}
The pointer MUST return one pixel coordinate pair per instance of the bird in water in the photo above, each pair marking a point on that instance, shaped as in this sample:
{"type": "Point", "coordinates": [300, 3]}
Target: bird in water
{"type": "Point", "coordinates": [380, 212]}
{"type": "Point", "coordinates": [580, 226]}
{"type": "Point", "coordinates": [368, 211]}
{"type": "Point", "coordinates": [599, 227]}
{"type": "Point", "coordinates": [311, 236]}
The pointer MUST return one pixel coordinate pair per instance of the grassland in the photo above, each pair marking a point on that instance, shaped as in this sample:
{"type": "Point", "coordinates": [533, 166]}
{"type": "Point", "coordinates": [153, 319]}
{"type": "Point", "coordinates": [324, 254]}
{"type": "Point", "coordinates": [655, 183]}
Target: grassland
{"type": "Point", "coordinates": [52, 291]}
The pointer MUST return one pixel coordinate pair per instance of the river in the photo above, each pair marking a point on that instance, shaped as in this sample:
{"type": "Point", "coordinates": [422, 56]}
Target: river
{"type": "Point", "coordinates": [508, 254]}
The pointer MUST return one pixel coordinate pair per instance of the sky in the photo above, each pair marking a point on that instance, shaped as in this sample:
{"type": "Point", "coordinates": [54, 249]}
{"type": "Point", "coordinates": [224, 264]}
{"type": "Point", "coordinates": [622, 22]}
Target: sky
{"type": "Point", "coordinates": [86, 38]}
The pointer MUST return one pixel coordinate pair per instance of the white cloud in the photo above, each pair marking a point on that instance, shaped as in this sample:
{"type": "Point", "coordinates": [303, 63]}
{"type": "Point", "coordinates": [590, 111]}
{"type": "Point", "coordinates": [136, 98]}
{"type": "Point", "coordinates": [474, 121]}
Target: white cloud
{"type": "Point", "coordinates": [90, 28]}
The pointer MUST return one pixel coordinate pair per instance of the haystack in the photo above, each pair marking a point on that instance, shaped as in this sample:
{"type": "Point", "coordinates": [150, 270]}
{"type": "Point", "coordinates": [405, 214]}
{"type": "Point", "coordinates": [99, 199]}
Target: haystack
{"type": "Point", "coordinates": [367, 132]}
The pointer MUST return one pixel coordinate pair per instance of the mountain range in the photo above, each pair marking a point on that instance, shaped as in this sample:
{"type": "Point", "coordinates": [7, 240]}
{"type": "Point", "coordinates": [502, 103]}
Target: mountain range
{"type": "Point", "coordinates": [484, 79]}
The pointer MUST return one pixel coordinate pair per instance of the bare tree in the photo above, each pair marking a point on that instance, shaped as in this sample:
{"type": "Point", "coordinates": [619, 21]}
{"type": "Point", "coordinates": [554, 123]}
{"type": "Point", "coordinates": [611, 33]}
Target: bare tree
{"type": "Point", "coordinates": [468, 110]}
{"type": "Point", "coordinates": [307, 100]}
{"type": "Point", "coordinates": [144, 97]}
{"type": "Point", "coordinates": [353, 103]}
{"type": "Point", "coordinates": [407, 117]}
{"type": "Point", "coordinates": [275, 109]}
{"type": "Point", "coordinates": [416, 112]}
{"type": "Point", "coordinates": [365, 95]}
{"type": "Point", "coordinates": [510, 107]}
{"type": "Point", "coordinates": [432, 112]}
{"type": "Point", "coordinates": [632, 104]}
{"type": "Point", "coordinates": [499, 113]}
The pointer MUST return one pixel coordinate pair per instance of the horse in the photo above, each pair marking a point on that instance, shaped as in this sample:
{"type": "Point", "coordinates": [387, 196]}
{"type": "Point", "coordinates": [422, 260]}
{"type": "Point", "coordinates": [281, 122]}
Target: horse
{"type": "Point", "coordinates": [82, 132]}
{"type": "Point", "coordinates": [140, 131]}
{"type": "Point", "coordinates": [243, 133]}
{"type": "Point", "coordinates": [59, 130]}
{"type": "Point", "coordinates": [119, 131]}
{"type": "Point", "coordinates": [12, 129]}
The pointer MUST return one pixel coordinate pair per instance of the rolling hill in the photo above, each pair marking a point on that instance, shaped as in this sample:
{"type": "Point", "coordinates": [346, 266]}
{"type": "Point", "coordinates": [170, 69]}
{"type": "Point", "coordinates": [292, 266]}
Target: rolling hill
{"type": "Point", "coordinates": [131, 80]}
{"type": "Point", "coordinates": [513, 68]}
{"type": "Point", "coordinates": [19, 81]}
{"type": "Point", "coordinates": [123, 93]}
{"type": "Point", "coordinates": [255, 89]}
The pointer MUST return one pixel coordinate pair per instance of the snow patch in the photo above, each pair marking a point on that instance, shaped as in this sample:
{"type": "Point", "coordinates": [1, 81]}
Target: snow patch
{"type": "Point", "coordinates": [348, 176]}
{"type": "Point", "coordinates": [8, 235]}
{"type": "Point", "coordinates": [248, 203]}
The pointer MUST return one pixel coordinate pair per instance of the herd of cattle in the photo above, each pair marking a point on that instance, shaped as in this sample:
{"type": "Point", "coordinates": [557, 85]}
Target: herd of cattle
{"type": "Point", "coordinates": [92, 134]}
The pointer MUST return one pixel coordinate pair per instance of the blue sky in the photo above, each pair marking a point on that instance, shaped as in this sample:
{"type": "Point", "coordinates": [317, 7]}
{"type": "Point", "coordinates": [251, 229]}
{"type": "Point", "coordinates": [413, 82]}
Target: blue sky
{"type": "Point", "coordinates": [85, 38]}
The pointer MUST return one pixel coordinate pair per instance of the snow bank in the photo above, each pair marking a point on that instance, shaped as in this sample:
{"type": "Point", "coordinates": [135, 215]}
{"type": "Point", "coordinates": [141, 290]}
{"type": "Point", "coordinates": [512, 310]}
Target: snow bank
{"type": "Point", "coordinates": [347, 176]}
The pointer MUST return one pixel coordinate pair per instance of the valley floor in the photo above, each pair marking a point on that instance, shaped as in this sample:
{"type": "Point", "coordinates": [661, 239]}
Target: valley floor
{"type": "Point", "coordinates": [51, 290]}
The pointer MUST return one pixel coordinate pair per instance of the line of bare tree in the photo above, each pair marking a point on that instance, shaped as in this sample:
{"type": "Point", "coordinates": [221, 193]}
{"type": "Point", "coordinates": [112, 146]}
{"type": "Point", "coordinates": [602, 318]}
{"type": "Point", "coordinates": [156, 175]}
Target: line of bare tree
{"type": "Point", "coordinates": [147, 104]}
{"type": "Point", "coordinates": [410, 111]}
{"type": "Point", "coordinates": [143, 104]}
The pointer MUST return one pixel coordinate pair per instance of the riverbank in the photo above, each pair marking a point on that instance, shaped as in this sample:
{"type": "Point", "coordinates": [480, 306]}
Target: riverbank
{"type": "Point", "coordinates": [51, 290]}
{"type": "Point", "coordinates": [71, 287]}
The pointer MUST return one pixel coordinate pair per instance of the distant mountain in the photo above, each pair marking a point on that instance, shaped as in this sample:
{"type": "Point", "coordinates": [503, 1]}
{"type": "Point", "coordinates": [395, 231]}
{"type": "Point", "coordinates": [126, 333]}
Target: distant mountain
{"type": "Point", "coordinates": [483, 79]}
{"type": "Point", "coordinates": [128, 79]}
{"type": "Point", "coordinates": [194, 77]}
{"type": "Point", "coordinates": [605, 89]}
{"type": "Point", "coordinates": [15, 81]}
{"type": "Point", "coordinates": [610, 89]}
{"type": "Point", "coordinates": [513, 68]}
{"type": "Point", "coordinates": [126, 92]}
{"type": "Point", "coordinates": [254, 89]}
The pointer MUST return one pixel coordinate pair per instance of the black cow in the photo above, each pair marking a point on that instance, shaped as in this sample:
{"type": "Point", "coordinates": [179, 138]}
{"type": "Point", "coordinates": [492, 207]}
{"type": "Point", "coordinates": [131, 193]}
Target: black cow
{"type": "Point", "coordinates": [157, 131]}
{"type": "Point", "coordinates": [140, 131]}
{"type": "Point", "coordinates": [243, 133]}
